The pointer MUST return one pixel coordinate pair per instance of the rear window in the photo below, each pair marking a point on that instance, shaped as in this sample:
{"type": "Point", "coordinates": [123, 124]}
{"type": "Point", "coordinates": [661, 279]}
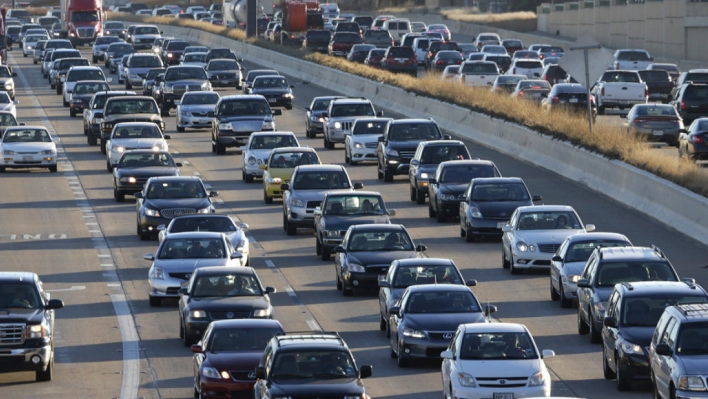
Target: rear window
{"type": "Point", "coordinates": [696, 77]}
{"type": "Point", "coordinates": [629, 77]}
{"type": "Point", "coordinates": [654, 76]}
{"type": "Point", "coordinates": [378, 34]}
{"type": "Point", "coordinates": [529, 64]}
{"type": "Point", "coordinates": [319, 34]}
{"type": "Point", "coordinates": [633, 56]}
{"type": "Point", "coordinates": [401, 52]}
{"type": "Point", "coordinates": [501, 60]}
{"type": "Point", "coordinates": [423, 44]}
{"type": "Point", "coordinates": [479, 67]}
{"type": "Point", "coordinates": [551, 50]}
{"type": "Point", "coordinates": [699, 93]}
{"type": "Point", "coordinates": [347, 38]}
{"type": "Point", "coordinates": [512, 43]}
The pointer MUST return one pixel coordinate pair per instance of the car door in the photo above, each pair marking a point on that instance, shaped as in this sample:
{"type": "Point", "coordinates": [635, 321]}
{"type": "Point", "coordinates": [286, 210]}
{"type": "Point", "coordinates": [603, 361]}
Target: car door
{"type": "Point", "coordinates": [340, 257]}
{"type": "Point", "coordinates": [666, 364]}
{"type": "Point", "coordinates": [557, 265]}
{"type": "Point", "coordinates": [610, 334]}
{"type": "Point", "coordinates": [585, 293]}
{"type": "Point", "coordinates": [449, 366]}
{"type": "Point", "coordinates": [413, 166]}
{"type": "Point", "coordinates": [395, 319]}
{"type": "Point", "coordinates": [385, 292]}
{"type": "Point", "coordinates": [464, 204]}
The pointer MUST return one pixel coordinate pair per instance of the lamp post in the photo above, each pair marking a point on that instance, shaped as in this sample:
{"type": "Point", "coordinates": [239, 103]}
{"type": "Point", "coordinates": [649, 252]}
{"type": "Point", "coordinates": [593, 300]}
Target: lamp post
{"type": "Point", "coordinates": [587, 77]}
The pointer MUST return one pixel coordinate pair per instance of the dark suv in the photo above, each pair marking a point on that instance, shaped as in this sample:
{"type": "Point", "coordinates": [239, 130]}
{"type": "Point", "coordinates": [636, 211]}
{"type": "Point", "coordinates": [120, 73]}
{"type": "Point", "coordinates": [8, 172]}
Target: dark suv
{"type": "Point", "coordinates": [236, 117]}
{"type": "Point", "coordinates": [322, 359]}
{"type": "Point", "coordinates": [317, 40]}
{"type": "Point", "coordinates": [128, 109]}
{"type": "Point", "coordinates": [400, 142]}
{"type": "Point", "coordinates": [633, 311]}
{"type": "Point", "coordinates": [26, 325]}
{"type": "Point", "coordinates": [400, 59]}
{"type": "Point", "coordinates": [179, 79]}
{"type": "Point", "coordinates": [436, 46]}
{"type": "Point", "coordinates": [428, 156]}
{"type": "Point", "coordinates": [691, 101]}
{"type": "Point", "coordinates": [609, 266]}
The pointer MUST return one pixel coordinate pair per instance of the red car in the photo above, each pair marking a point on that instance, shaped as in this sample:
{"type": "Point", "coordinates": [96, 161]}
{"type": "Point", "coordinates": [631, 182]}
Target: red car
{"type": "Point", "coordinates": [512, 45]}
{"type": "Point", "coordinates": [226, 358]}
{"type": "Point", "coordinates": [342, 43]}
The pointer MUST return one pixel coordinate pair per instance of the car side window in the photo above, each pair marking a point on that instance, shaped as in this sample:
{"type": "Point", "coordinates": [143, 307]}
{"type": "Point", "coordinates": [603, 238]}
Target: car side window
{"type": "Point", "coordinates": [563, 248]}
{"type": "Point", "coordinates": [666, 338]}
{"type": "Point", "coordinates": [418, 151]}
{"type": "Point", "coordinates": [267, 360]}
{"type": "Point", "coordinates": [588, 268]}
{"type": "Point", "coordinates": [659, 330]}
{"type": "Point", "coordinates": [391, 271]}
{"type": "Point", "coordinates": [613, 305]}
{"type": "Point", "coordinates": [453, 344]}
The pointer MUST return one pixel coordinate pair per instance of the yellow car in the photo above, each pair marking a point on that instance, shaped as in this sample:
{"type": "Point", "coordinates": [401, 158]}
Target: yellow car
{"type": "Point", "coordinates": [280, 166]}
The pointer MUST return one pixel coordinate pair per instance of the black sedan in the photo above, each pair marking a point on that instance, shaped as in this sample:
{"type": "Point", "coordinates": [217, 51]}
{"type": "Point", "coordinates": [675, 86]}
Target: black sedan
{"type": "Point", "coordinates": [447, 188]}
{"type": "Point", "coordinates": [367, 251]}
{"type": "Point", "coordinates": [221, 292]}
{"type": "Point", "coordinates": [359, 52]}
{"type": "Point", "coordinates": [314, 121]}
{"type": "Point", "coordinates": [82, 94]}
{"type": "Point", "coordinates": [428, 315]}
{"type": "Point", "coordinates": [164, 198]}
{"type": "Point", "coordinates": [406, 272]}
{"type": "Point", "coordinates": [444, 58]}
{"type": "Point", "coordinates": [692, 141]}
{"type": "Point", "coordinates": [136, 167]}
{"type": "Point", "coordinates": [275, 89]}
{"type": "Point", "coordinates": [225, 72]}
{"type": "Point", "coordinates": [488, 205]}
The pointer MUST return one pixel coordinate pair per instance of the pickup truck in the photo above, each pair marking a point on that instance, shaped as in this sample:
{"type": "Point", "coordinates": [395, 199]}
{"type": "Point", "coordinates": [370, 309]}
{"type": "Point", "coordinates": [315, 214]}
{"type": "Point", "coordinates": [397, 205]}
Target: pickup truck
{"type": "Point", "coordinates": [659, 84]}
{"type": "Point", "coordinates": [619, 89]}
{"type": "Point", "coordinates": [632, 60]}
{"type": "Point", "coordinates": [477, 73]}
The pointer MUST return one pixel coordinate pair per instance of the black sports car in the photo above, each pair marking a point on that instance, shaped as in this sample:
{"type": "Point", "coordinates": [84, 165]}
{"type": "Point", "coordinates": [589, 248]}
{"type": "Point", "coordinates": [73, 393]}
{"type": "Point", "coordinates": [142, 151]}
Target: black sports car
{"type": "Point", "coordinates": [136, 167]}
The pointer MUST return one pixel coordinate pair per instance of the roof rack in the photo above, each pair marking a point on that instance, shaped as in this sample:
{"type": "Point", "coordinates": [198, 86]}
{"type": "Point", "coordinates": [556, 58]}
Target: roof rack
{"type": "Point", "coordinates": [302, 335]}
{"type": "Point", "coordinates": [693, 309]}
{"type": "Point", "coordinates": [658, 251]}
{"type": "Point", "coordinates": [628, 285]}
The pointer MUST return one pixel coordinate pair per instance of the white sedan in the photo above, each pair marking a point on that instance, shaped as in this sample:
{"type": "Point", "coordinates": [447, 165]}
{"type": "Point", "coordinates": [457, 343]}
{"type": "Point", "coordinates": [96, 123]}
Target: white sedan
{"type": "Point", "coordinates": [257, 151]}
{"type": "Point", "coordinates": [30, 44]}
{"type": "Point", "coordinates": [27, 147]}
{"type": "Point", "coordinates": [535, 233]}
{"type": "Point", "coordinates": [128, 136]}
{"type": "Point", "coordinates": [361, 143]}
{"type": "Point", "coordinates": [8, 104]}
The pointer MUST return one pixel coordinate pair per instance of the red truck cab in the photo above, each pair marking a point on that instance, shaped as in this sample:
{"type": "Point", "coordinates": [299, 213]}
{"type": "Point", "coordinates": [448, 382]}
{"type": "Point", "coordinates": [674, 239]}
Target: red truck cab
{"type": "Point", "coordinates": [82, 21]}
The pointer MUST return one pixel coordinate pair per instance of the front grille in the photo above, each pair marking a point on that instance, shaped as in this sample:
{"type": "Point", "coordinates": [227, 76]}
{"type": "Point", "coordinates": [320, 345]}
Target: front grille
{"type": "Point", "coordinates": [12, 334]}
{"type": "Point", "coordinates": [225, 76]}
{"type": "Point", "coordinates": [233, 315]}
{"type": "Point", "coordinates": [181, 276]}
{"type": "Point", "coordinates": [502, 382]}
{"type": "Point", "coordinates": [378, 269]}
{"type": "Point", "coordinates": [497, 217]}
{"type": "Point", "coordinates": [146, 41]}
{"type": "Point", "coordinates": [200, 113]}
{"type": "Point", "coordinates": [85, 33]}
{"type": "Point", "coordinates": [434, 352]}
{"type": "Point", "coordinates": [27, 152]}
{"type": "Point", "coordinates": [181, 89]}
{"type": "Point", "coordinates": [28, 162]}
{"type": "Point", "coordinates": [247, 375]}
{"type": "Point", "coordinates": [172, 290]}
{"type": "Point", "coordinates": [174, 212]}
{"type": "Point", "coordinates": [406, 154]}
{"type": "Point", "coordinates": [313, 204]}
{"type": "Point", "coordinates": [549, 248]}
{"type": "Point", "coordinates": [440, 334]}
{"type": "Point", "coordinates": [347, 125]}
{"type": "Point", "coordinates": [372, 144]}
{"type": "Point", "coordinates": [542, 263]}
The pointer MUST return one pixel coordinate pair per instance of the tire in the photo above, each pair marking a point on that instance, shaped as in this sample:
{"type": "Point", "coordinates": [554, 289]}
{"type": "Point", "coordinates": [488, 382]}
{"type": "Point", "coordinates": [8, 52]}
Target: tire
{"type": "Point", "coordinates": [220, 149]}
{"type": "Point", "coordinates": [91, 139]}
{"type": "Point", "coordinates": [53, 169]}
{"type": "Point", "coordinates": [164, 110]}
{"type": "Point", "coordinates": [601, 110]}
{"type": "Point", "coordinates": [72, 112]}
{"type": "Point", "coordinates": [35, 62]}
{"type": "Point", "coordinates": [143, 236]}
{"type": "Point", "coordinates": [439, 217]}
{"type": "Point", "coordinates": [347, 291]}
{"type": "Point", "coordinates": [379, 174]}
{"type": "Point", "coordinates": [108, 166]}
{"type": "Point", "coordinates": [413, 193]}
{"type": "Point", "coordinates": [583, 328]}
{"type": "Point", "coordinates": [128, 86]}
{"type": "Point", "coordinates": [64, 102]}
{"type": "Point", "coordinates": [595, 336]}
{"type": "Point", "coordinates": [290, 229]}
{"type": "Point", "coordinates": [2, 169]}
{"type": "Point", "coordinates": [24, 55]}
{"type": "Point", "coordinates": [514, 270]}
{"type": "Point", "coordinates": [58, 88]}
{"type": "Point", "coordinates": [431, 211]}
{"type": "Point", "coordinates": [382, 323]}
{"type": "Point", "coordinates": [46, 374]}
{"type": "Point", "coordinates": [155, 301]}
{"type": "Point", "coordinates": [180, 128]}
{"type": "Point", "coordinates": [346, 157]}
{"type": "Point", "coordinates": [186, 340]}
{"type": "Point", "coordinates": [387, 176]}
{"type": "Point", "coordinates": [266, 198]}
{"type": "Point", "coordinates": [564, 301]}
{"type": "Point", "coordinates": [339, 284]}
{"type": "Point", "coordinates": [289, 107]}
{"type": "Point", "coordinates": [622, 384]}
{"type": "Point", "coordinates": [95, 60]}
{"type": "Point", "coordinates": [318, 247]}
{"type": "Point", "coordinates": [53, 86]}
{"type": "Point", "coordinates": [606, 370]}
{"type": "Point", "coordinates": [505, 263]}
{"type": "Point", "coordinates": [213, 147]}
{"type": "Point", "coordinates": [118, 196]}
{"type": "Point", "coordinates": [103, 146]}
{"type": "Point", "coordinates": [401, 361]}
{"type": "Point", "coordinates": [469, 235]}
{"type": "Point", "coordinates": [308, 134]}
{"type": "Point", "coordinates": [554, 294]}
{"type": "Point", "coordinates": [326, 253]}
{"type": "Point", "coordinates": [420, 197]}
{"type": "Point", "coordinates": [247, 178]}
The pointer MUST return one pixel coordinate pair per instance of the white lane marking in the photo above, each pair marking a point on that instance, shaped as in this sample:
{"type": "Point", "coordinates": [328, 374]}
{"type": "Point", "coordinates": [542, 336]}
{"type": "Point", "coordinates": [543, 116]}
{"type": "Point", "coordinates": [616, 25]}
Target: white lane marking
{"type": "Point", "coordinates": [220, 201]}
{"type": "Point", "coordinates": [197, 173]}
{"type": "Point", "coordinates": [185, 162]}
{"type": "Point", "coordinates": [269, 263]}
{"type": "Point", "coordinates": [314, 326]}
{"type": "Point", "coordinates": [107, 265]}
{"type": "Point", "coordinates": [207, 185]}
{"type": "Point", "coordinates": [104, 256]}
{"type": "Point", "coordinates": [290, 291]}
{"type": "Point", "coordinates": [73, 288]}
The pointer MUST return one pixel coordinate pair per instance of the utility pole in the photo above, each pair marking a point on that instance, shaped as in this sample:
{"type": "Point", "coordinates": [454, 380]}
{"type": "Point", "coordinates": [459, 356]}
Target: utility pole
{"type": "Point", "coordinates": [587, 77]}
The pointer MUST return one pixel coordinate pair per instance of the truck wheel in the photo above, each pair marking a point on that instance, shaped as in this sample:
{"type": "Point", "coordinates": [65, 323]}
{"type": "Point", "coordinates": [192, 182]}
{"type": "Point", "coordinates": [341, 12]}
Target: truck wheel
{"type": "Point", "coordinates": [46, 375]}
{"type": "Point", "coordinates": [128, 86]}
{"type": "Point", "coordinates": [220, 148]}
{"type": "Point", "coordinates": [601, 110]}
{"type": "Point", "coordinates": [103, 146]}
{"type": "Point", "coordinates": [92, 139]}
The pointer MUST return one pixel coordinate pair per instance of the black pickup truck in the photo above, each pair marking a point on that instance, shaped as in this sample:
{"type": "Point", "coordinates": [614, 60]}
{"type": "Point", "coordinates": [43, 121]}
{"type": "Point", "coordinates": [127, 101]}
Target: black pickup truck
{"type": "Point", "coordinates": [659, 84]}
{"type": "Point", "coordinates": [317, 40]}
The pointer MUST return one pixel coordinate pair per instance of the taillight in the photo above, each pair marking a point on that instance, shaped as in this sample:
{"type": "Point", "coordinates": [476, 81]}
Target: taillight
{"type": "Point", "coordinates": [683, 104]}
{"type": "Point", "coordinates": [697, 139]}
{"type": "Point", "coordinates": [646, 91]}
{"type": "Point", "coordinates": [540, 57]}
{"type": "Point", "coordinates": [497, 88]}
{"type": "Point", "coordinates": [430, 54]}
{"type": "Point", "coordinates": [521, 94]}
{"type": "Point", "coordinates": [640, 120]}
{"type": "Point", "coordinates": [617, 65]}
{"type": "Point", "coordinates": [602, 92]}
{"type": "Point", "coordinates": [514, 71]}
{"type": "Point", "coordinates": [592, 99]}
{"type": "Point", "coordinates": [555, 100]}
{"type": "Point", "coordinates": [439, 62]}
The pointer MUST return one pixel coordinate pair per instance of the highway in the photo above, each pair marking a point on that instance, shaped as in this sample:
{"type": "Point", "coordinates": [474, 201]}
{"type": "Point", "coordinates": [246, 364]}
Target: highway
{"type": "Point", "coordinates": [111, 343]}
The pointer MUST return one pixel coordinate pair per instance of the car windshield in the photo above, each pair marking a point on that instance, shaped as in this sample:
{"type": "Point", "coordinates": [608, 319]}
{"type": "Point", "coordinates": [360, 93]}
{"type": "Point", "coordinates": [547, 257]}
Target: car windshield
{"type": "Point", "coordinates": [548, 220]}
{"type": "Point", "coordinates": [5, 72]}
{"type": "Point", "coordinates": [321, 104]}
{"type": "Point", "coordinates": [145, 62]}
{"type": "Point", "coordinates": [428, 274]}
{"type": "Point", "coordinates": [177, 45]}
{"type": "Point", "coordinates": [339, 110]}
{"type": "Point", "coordinates": [269, 83]}
{"type": "Point", "coordinates": [136, 132]}
{"type": "Point", "coordinates": [442, 302]}
{"type": "Point", "coordinates": [65, 64]}
{"type": "Point", "coordinates": [366, 241]}
{"type": "Point", "coordinates": [434, 155]}
{"type": "Point", "coordinates": [146, 30]}
{"type": "Point", "coordinates": [322, 364]}
{"type": "Point", "coordinates": [19, 295]}
{"type": "Point", "coordinates": [114, 25]}
{"type": "Point", "coordinates": [497, 346]}
{"type": "Point", "coordinates": [269, 142]}
{"type": "Point", "coordinates": [348, 205]}
{"type": "Point", "coordinates": [226, 286]}
{"type": "Point", "coordinates": [369, 127]}
{"type": "Point", "coordinates": [106, 40]}
{"type": "Point", "coordinates": [119, 47]}
{"type": "Point", "coordinates": [146, 160]}
{"type": "Point", "coordinates": [254, 74]}
{"type": "Point", "coordinates": [221, 224]}
{"type": "Point", "coordinates": [223, 65]}
{"type": "Point", "coordinates": [326, 180]}
{"type": "Point", "coordinates": [176, 190]}
{"type": "Point", "coordinates": [192, 248]}
{"type": "Point", "coordinates": [210, 98]}
{"type": "Point", "coordinates": [580, 251]}
{"type": "Point", "coordinates": [629, 77]}
{"type": "Point", "coordinates": [84, 16]}
{"type": "Point", "coordinates": [499, 192]}
{"type": "Point", "coordinates": [6, 119]}
{"type": "Point", "coordinates": [27, 136]}
{"type": "Point", "coordinates": [413, 131]}
{"type": "Point", "coordinates": [646, 312]}
{"type": "Point", "coordinates": [612, 273]}
{"type": "Point", "coordinates": [231, 339]}
{"type": "Point", "coordinates": [152, 74]}
{"type": "Point", "coordinates": [244, 107]}
{"type": "Point", "coordinates": [132, 106]}
{"type": "Point", "coordinates": [90, 88]}
{"type": "Point", "coordinates": [35, 38]}
{"type": "Point", "coordinates": [173, 74]}
{"type": "Point", "coordinates": [630, 55]}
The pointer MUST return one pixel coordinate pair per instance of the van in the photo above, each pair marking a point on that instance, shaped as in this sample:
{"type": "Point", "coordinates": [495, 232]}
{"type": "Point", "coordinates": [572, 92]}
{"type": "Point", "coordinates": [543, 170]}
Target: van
{"type": "Point", "coordinates": [398, 28]}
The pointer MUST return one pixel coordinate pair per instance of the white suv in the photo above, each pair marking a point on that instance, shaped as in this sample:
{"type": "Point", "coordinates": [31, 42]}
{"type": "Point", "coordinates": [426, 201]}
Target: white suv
{"type": "Point", "coordinates": [340, 117]}
{"type": "Point", "coordinates": [79, 73]}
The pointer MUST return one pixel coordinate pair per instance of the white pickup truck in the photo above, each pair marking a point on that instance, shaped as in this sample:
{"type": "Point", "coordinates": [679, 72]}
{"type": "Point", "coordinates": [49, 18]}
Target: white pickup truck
{"type": "Point", "coordinates": [632, 59]}
{"type": "Point", "coordinates": [477, 73]}
{"type": "Point", "coordinates": [619, 89]}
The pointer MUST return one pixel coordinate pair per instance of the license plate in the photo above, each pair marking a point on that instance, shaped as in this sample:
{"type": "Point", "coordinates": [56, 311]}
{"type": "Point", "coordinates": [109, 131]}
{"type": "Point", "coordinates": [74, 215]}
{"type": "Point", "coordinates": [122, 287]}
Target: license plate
{"type": "Point", "coordinates": [535, 95]}
{"type": "Point", "coordinates": [624, 102]}
{"type": "Point", "coordinates": [504, 395]}
{"type": "Point", "coordinates": [27, 157]}
{"type": "Point", "coordinates": [184, 284]}
{"type": "Point", "coordinates": [501, 224]}
{"type": "Point", "coordinates": [272, 100]}
{"type": "Point", "coordinates": [573, 100]}
{"type": "Point", "coordinates": [204, 121]}
{"type": "Point", "coordinates": [657, 132]}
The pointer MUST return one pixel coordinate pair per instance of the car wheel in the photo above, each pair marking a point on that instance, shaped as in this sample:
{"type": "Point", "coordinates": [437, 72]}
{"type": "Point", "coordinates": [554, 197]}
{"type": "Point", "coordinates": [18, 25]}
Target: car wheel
{"type": "Point", "coordinates": [118, 196]}
{"type": "Point", "coordinates": [220, 148]}
{"type": "Point", "coordinates": [431, 211]}
{"type": "Point", "coordinates": [155, 301]}
{"type": "Point", "coordinates": [72, 112]}
{"type": "Point", "coordinates": [46, 374]}
{"type": "Point", "coordinates": [2, 169]}
{"type": "Point", "coordinates": [91, 139]}
{"type": "Point", "coordinates": [325, 143]}
{"type": "Point", "coordinates": [95, 60]}
{"type": "Point", "coordinates": [103, 146]}
{"type": "Point", "coordinates": [339, 283]}
{"type": "Point", "coordinates": [325, 252]}
{"type": "Point", "coordinates": [622, 384]}
{"type": "Point", "coordinates": [58, 87]}
{"type": "Point", "coordinates": [180, 128]}
{"type": "Point", "coordinates": [247, 178]}
{"type": "Point", "coordinates": [318, 247]}
{"type": "Point", "coordinates": [143, 236]}
{"type": "Point", "coordinates": [595, 337]}
{"type": "Point", "coordinates": [64, 102]}
{"type": "Point", "coordinates": [554, 294]}
{"type": "Point", "coordinates": [213, 146]}
{"type": "Point", "coordinates": [514, 269]}
{"type": "Point", "coordinates": [347, 291]}
{"type": "Point", "coordinates": [128, 86]}
{"type": "Point", "coordinates": [606, 370]}
{"type": "Point", "coordinates": [53, 86]}
{"type": "Point", "coordinates": [388, 176]}
{"type": "Point", "coordinates": [420, 197]}
{"type": "Point", "coordinates": [400, 359]}
{"type": "Point", "coordinates": [379, 174]}
{"type": "Point", "coordinates": [108, 166]}
{"type": "Point", "coordinates": [382, 323]}
{"type": "Point", "coordinates": [330, 145]}
{"type": "Point", "coordinates": [505, 263]}
{"type": "Point", "coordinates": [601, 110]}
{"type": "Point", "coordinates": [53, 169]}
{"type": "Point", "coordinates": [582, 326]}
{"type": "Point", "coordinates": [290, 228]}
{"type": "Point", "coordinates": [164, 110]}
{"type": "Point", "coordinates": [346, 156]}
{"type": "Point", "coordinates": [268, 200]}
{"type": "Point", "coordinates": [463, 233]}
{"type": "Point", "coordinates": [439, 217]}
{"type": "Point", "coordinates": [413, 193]}
{"type": "Point", "coordinates": [186, 340]}
{"type": "Point", "coordinates": [565, 302]}
{"type": "Point", "coordinates": [469, 235]}
{"type": "Point", "coordinates": [35, 62]}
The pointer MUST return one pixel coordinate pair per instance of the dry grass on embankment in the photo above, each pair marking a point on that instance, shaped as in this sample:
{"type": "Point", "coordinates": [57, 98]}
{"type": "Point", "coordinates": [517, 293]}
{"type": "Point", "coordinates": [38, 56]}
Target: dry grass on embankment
{"type": "Point", "coordinates": [473, 16]}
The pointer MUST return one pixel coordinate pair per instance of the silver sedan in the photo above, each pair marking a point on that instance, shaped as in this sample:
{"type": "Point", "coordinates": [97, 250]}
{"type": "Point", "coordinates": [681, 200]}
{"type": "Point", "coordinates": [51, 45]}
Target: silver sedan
{"type": "Point", "coordinates": [194, 108]}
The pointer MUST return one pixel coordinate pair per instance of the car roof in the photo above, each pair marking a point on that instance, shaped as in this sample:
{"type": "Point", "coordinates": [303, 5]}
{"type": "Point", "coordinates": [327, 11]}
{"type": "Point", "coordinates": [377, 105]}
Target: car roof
{"type": "Point", "coordinates": [135, 124]}
{"type": "Point", "coordinates": [442, 142]}
{"type": "Point", "coordinates": [194, 234]}
{"type": "Point", "coordinates": [175, 178]}
{"type": "Point", "coordinates": [467, 162]}
{"type": "Point", "coordinates": [276, 133]}
{"type": "Point", "coordinates": [223, 270]}
{"type": "Point", "coordinates": [350, 101]}
{"type": "Point", "coordinates": [544, 208]}
{"type": "Point", "coordinates": [250, 323]}
{"type": "Point", "coordinates": [292, 149]}
{"type": "Point", "coordinates": [350, 193]}
{"type": "Point", "coordinates": [625, 253]}
{"type": "Point", "coordinates": [412, 120]}
{"type": "Point", "coordinates": [29, 127]}
{"type": "Point", "coordinates": [438, 287]}
{"type": "Point", "coordinates": [115, 92]}
{"type": "Point", "coordinates": [649, 288]}
{"type": "Point", "coordinates": [494, 328]}
{"type": "Point", "coordinates": [425, 262]}
{"type": "Point", "coordinates": [131, 98]}
{"type": "Point", "coordinates": [18, 276]}
{"type": "Point", "coordinates": [596, 235]}
{"type": "Point", "coordinates": [242, 97]}
{"type": "Point", "coordinates": [84, 68]}
{"type": "Point", "coordinates": [199, 215]}
{"type": "Point", "coordinates": [377, 227]}
{"type": "Point", "coordinates": [479, 180]}
{"type": "Point", "coordinates": [320, 168]}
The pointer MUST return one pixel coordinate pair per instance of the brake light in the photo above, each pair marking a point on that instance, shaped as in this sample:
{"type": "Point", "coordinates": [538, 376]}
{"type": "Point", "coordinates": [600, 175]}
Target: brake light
{"type": "Point", "coordinates": [640, 120]}
{"type": "Point", "coordinates": [521, 94]}
{"type": "Point", "coordinates": [447, 31]}
{"type": "Point", "coordinates": [646, 91]}
{"type": "Point", "coordinates": [514, 71]}
{"type": "Point", "coordinates": [697, 139]}
{"type": "Point", "coordinates": [439, 62]}
{"type": "Point", "coordinates": [592, 99]}
{"type": "Point", "coordinates": [602, 92]}
{"type": "Point", "coordinates": [555, 100]}
{"type": "Point", "coordinates": [540, 57]}
{"type": "Point", "coordinates": [430, 54]}
{"type": "Point", "coordinates": [683, 104]}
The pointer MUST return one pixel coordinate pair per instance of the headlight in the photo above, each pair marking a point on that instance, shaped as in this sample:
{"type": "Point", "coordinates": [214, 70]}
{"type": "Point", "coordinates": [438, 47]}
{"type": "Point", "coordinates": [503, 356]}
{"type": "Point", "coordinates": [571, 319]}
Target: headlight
{"type": "Point", "coordinates": [130, 179]}
{"type": "Point", "coordinates": [197, 314]}
{"type": "Point", "coordinates": [392, 153]}
{"type": "Point", "coordinates": [8, 86]}
{"type": "Point", "coordinates": [691, 383]}
{"type": "Point", "coordinates": [156, 273]}
{"type": "Point", "coordinates": [354, 267]}
{"type": "Point", "coordinates": [337, 125]}
{"type": "Point", "coordinates": [185, 113]}
{"type": "Point", "coordinates": [205, 210]}
{"type": "Point", "coordinates": [97, 121]}
{"type": "Point", "coordinates": [600, 310]}
{"type": "Point", "coordinates": [134, 76]}
{"type": "Point", "coordinates": [37, 331]}
{"type": "Point", "coordinates": [118, 149]}
{"type": "Point", "coordinates": [210, 372]}
{"type": "Point", "coordinates": [573, 278]}
{"type": "Point", "coordinates": [167, 89]}
{"type": "Point", "coordinates": [225, 126]}
{"type": "Point", "coordinates": [49, 152]}
{"type": "Point", "coordinates": [409, 332]}
{"type": "Point", "coordinates": [288, 95]}
{"type": "Point", "coordinates": [476, 213]}
{"type": "Point", "coordinates": [252, 160]}
{"type": "Point", "coordinates": [76, 101]}
{"type": "Point", "coordinates": [268, 125]}
{"type": "Point", "coordinates": [275, 180]}
{"type": "Point", "coordinates": [8, 152]}
{"type": "Point", "coordinates": [448, 197]}
{"type": "Point", "coordinates": [262, 313]}
{"type": "Point", "coordinates": [521, 246]}
{"type": "Point", "coordinates": [332, 233]}
{"type": "Point", "coordinates": [169, 55]}
{"type": "Point", "coordinates": [466, 380]}
{"type": "Point", "coordinates": [313, 118]}
{"type": "Point", "coordinates": [424, 176]}
{"type": "Point", "coordinates": [358, 145]}
{"type": "Point", "coordinates": [630, 348]}
{"type": "Point", "coordinates": [296, 202]}
{"type": "Point", "coordinates": [206, 86]}
{"type": "Point", "coordinates": [152, 212]}
{"type": "Point", "coordinates": [537, 379]}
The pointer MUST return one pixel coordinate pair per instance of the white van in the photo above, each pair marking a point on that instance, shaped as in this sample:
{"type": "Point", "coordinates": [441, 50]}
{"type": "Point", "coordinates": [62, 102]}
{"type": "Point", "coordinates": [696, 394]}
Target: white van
{"type": "Point", "coordinates": [329, 10]}
{"type": "Point", "coordinates": [420, 45]}
{"type": "Point", "coordinates": [398, 28]}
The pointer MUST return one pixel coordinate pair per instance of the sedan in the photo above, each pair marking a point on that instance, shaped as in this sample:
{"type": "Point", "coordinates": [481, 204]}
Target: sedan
{"type": "Point", "coordinates": [137, 166]}
{"type": "Point", "coordinates": [692, 141]}
{"type": "Point", "coordinates": [488, 204]}
{"type": "Point", "coordinates": [534, 234]}
{"type": "Point", "coordinates": [198, 59]}
{"type": "Point", "coordinates": [362, 140]}
{"type": "Point", "coordinates": [257, 151]}
{"type": "Point", "coordinates": [30, 43]}
{"type": "Point", "coordinates": [225, 72]}
{"type": "Point", "coordinates": [450, 72]}
{"type": "Point", "coordinates": [505, 84]}
{"type": "Point", "coordinates": [367, 252]}
{"type": "Point", "coordinates": [424, 322]}
{"type": "Point", "coordinates": [279, 168]}
{"type": "Point", "coordinates": [406, 272]}
{"type": "Point", "coordinates": [375, 57]}
{"type": "Point", "coordinates": [534, 90]}
{"type": "Point", "coordinates": [485, 360]}
{"type": "Point", "coordinates": [568, 263]}
{"type": "Point", "coordinates": [7, 104]}
{"type": "Point", "coordinates": [654, 122]}
{"type": "Point", "coordinates": [444, 58]}
{"type": "Point", "coordinates": [27, 147]}
{"type": "Point", "coordinates": [450, 181]}
{"type": "Point", "coordinates": [314, 120]}
{"type": "Point", "coordinates": [215, 293]}
{"type": "Point", "coordinates": [211, 222]}
{"type": "Point", "coordinates": [275, 89]}
{"type": "Point", "coordinates": [194, 108]}
{"type": "Point", "coordinates": [440, 29]}
{"type": "Point", "coordinates": [128, 136]}
{"type": "Point", "coordinates": [359, 52]}
{"type": "Point", "coordinates": [234, 348]}
{"type": "Point", "coordinates": [179, 255]}
{"type": "Point", "coordinates": [82, 94]}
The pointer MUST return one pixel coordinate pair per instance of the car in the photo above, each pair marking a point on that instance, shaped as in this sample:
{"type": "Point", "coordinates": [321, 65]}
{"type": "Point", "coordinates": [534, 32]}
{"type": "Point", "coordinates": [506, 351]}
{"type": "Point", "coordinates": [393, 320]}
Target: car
{"type": "Point", "coordinates": [531, 89]}
{"type": "Point", "coordinates": [534, 234]}
{"type": "Point", "coordinates": [359, 52]}
{"type": "Point", "coordinates": [93, 114]}
{"type": "Point", "coordinates": [467, 49]}
{"type": "Point", "coordinates": [157, 44]}
{"type": "Point", "coordinates": [194, 49]}
{"type": "Point", "coordinates": [197, 59]}
{"type": "Point", "coordinates": [56, 44]}
{"type": "Point", "coordinates": [400, 59]}
{"type": "Point", "coordinates": [619, 89]}
{"type": "Point", "coordinates": [487, 360]}
{"type": "Point", "coordinates": [38, 51]}
{"type": "Point", "coordinates": [306, 189]}
{"type": "Point", "coordinates": [568, 263]}
{"type": "Point", "coordinates": [47, 21]}
{"type": "Point", "coordinates": [420, 46]}
{"type": "Point", "coordinates": [27, 325]}
{"type": "Point", "coordinates": [367, 251]}
{"type": "Point", "coordinates": [445, 58]}
{"type": "Point", "coordinates": [98, 51]}
{"type": "Point", "coordinates": [124, 108]}
{"type": "Point", "coordinates": [379, 38]}
{"type": "Point", "coordinates": [450, 72]}
{"type": "Point", "coordinates": [342, 42]}
{"type": "Point", "coordinates": [493, 49]}
{"type": "Point", "coordinates": [257, 151]}
{"type": "Point", "coordinates": [172, 52]}
{"type": "Point", "coordinates": [512, 46]}
{"type": "Point", "coordinates": [691, 101]}
{"type": "Point", "coordinates": [434, 47]}
{"type": "Point", "coordinates": [423, 323]}
{"type": "Point", "coordinates": [418, 27]}
{"type": "Point", "coordinates": [399, 143]}
{"type": "Point", "coordinates": [127, 136]}
{"type": "Point", "coordinates": [407, 39]}
{"type": "Point", "coordinates": [30, 42]}
{"type": "Point", "coordinates": [7, 104]}
{"type": "Point", "coordinates": [177, 80]}
{"type": "Point", "coordinates": [321, 358]}
{"type": "Point", "coordinates": [164, 198]}
{"type": "Point", "coordinates": [211, 222]}
{"type": "Point", "coordinates": [692, 76]}
{"type": "Point", "coordinates": [526, 54]}
{"type": "Point", "coordinates": [149, 80]}
{"type": "Point", "coordinates": [225, 72]}
{"type": "Point", "coordinates": [533, 69]}
{"type": "Point", "coordinates": [194, 108]}
{"type": "Point", "coordinates": [441, 29]}
{"type": "Point", "coordinates": [505, 84]}
{"type": "Point", "coordinates": [317, 40]}
{"type": "Point", "coordinates": [222, 53]}
{"type": "Point", "coordinates": [144, 36]}
{"type": "Point", "coordinates": [692, 141]}
{"type": "Point", "coordinates": [234, 347]}
{"type": "Point", "coordinates": [57, 55]}
{"type": "Point", "coordinates": [213, 293]}
{"type": "Point", "coordinates": [374, 58]}
{"type": "Point", "coordinates": [274, 88]}
{"type": "Point", "coordinates": [404, 273]}
{"type": "Point", "coordinates": [82, 94]}
{"type": "Point", "coordinates": [27, 147]}
{"type": "Point", "coordinates": [609, 266]}
{"type": "Point", "coordinates": [571, 97]}
{"type": "Point", "coordinates": [237, 117]}
{"type": "Point", "coordinates": [137, 166]}
{"type": "Point", "coordinates": [114, 28]}
{"type": "Point", "coordinates": [632, 59]}
{"type": "Point", "coordinates": [314, 115]}
{"type": "Point", "coordinates": [254, 73]}
{"type": "Point", "coordinates": [677, 351]}
{"type": "Point", "coordinates": [339, 210]}
{"type": "Point", "coordinates": [654, 122]}
{"type": "Point", "coordinates": [361, 142]}
{"type": "Point", "coordinates": [137, 67]}
{"type": "Point", "coordinates": [378, 22]}
{"type": "Point", "coordinates": [486, 38]}
{"type": "Point", "coordinates": [279, 166]}
{"type": "Point", "coordinates": [659, 84]}
{"type": "Point", "coordinates": [545, 51]}
{"type": "Point", "coordinates": [477, 73]}
{"type": "Point", "coordinates": [427, 157]}
{"type": "Point", "coordinates": [59, 69]}
{"type": "Point", "coordinates": [340, 116]}
{"type": "Point", "coordinates": [113, 50]}
{"type": "Point", "coordinates": [672, 69]}
{"type": "Point", "coordinates": [179, 255]}
{"type": "Point", "coordinates": [633, 311]}
{"type": "Point", "coordinates": [121, 68]}
{"type": "Point", "coordinates": [13, 35]}
{"type": "Point", "coordinates": [503, 61]}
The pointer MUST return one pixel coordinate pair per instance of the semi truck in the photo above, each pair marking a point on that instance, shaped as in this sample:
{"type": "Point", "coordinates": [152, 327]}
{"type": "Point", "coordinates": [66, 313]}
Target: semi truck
{"type": "Point", "coordinates": [81, 21]}
{"type": "Point", "coordinates": [298, 18]}
{"type": "Point", "coordinates": [236, 11]}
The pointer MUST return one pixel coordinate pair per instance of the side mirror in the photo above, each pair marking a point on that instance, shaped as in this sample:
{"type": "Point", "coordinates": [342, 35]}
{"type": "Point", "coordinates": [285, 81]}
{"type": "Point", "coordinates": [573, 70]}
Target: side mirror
{"type": "Point", "coordinates": [236, 255]}
{"type": "Point", "coordinates": [589, 227]}
{"type": "Point", "coordinates": [506, 228]}
{"type": "Point", "coordinates": [391, 212]}
{"type": "Point", "coordinates": [380, 114]}
{"type": "Point", "coordinates": [471, 283]}
{"type": "Point", "coordinates": [196, 348]}
{"type": "Point", "coordinates": [661, 349]}
{"type": "Point", "coordinates": [138, 195]}
{"type": "Point", "coordinates": [339, 249]}
{"type": "Point", "coordinates": [292, 86]}
{"type": "Point", "coordinates": [149, 257]}
{"type": "Point", "coordinates": [447, 137]}
{"type": "Point", "coordinates": [583, 283]}
{"type": "Point", "coordinates": [536, 198]}
{"type": "Point", "coordinates": [609, 322]}
{"type": "Point", "coordinates": [285, 186]}
{"type": "Point", "coordinates": [262, 166]}
{"type": "Point", "coordinates": [308, 109]}
{"type": "Point", "coordinates": [318, 210]}
{"type": "Point", "coordinates": [489, 309]}
{"type": "Point", "coordinates": [54, 304]}
{"type": "Point", "coordinates": [324, 115]}
{"type": "Point", "coordinates": [213, 194]}
{"type": "Point", "coordinates": [182, 291]}
{"type": "Point", "coordinates": [447, 355]}
{"type": "Point", "coordinates": [415, 162]}
{"type": "Point", "coordinates": [16, 102]}
{"type": "Point", "coordinates": [167, 137]}
{"type": "Point", "coordinates": [270, 290]}
{"type": "Point", "coordinates": [260, 372]}
{"type": "Point", "coordinates": [365, 371]}
{"type": "Point", "coordinates": [277, 112]}
{"type": "Point", "coordinates": [432, 180]}
{"type": "Point", "coordinates": [546, 353]}
{"type": "Point", "coordinates": [556, 258]}
{"type": "Point", "coordinates": [394, 310]}
{"type": "Point", "coordinates": [421, 248]}
{"type": "Point", "coordinates": [178, 164]}
{"type": "Point", "coordinates": [358, 186]}
{"type": "Point", "coordinates": [384, 284]}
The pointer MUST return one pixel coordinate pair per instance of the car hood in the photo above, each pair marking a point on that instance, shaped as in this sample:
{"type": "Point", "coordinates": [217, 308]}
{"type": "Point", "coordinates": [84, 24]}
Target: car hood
{"type": "Point", "coordinates": [185, 265]}
{"type": "Point", "coordinates": [239, 303]}
{"type": "Point", "coordinates": [28, 147]}
{"type": "Point", "coordinates": [408, 145]}
{"type": "Point", "coordinates": [19, 315]}
{"type": "Point", "coordinates": [454, 188]}
{"type": "Point", "coordinates": [440, 321]}
{"type": "Point", "coordinates": [545, 236]}
{"type": "Point", "coordinates": [234, 360]}
{"type": "Point", "coordinates": [366, 258]}
{"type": "Point", "coordinates": [148, 171]}
{"type": "Point", "coordinates": [196, 203]}
{"type": "Point", "coordinates": [694, 364]}
{"type": "Point", "coordinates": [282, 90]}
{"type": "Point", "coordinates": [638, 335]}
{"type": "Point", "coordinates": [152, 36]}
{"type": "Point", "coordinates": [259, 154]}
{"type": "Point", "coordinates": [7, 107]}
{"type": "Point", "coordinates": [312, 387]}
{"type": "Point", "coordinates": [137, 143]}
{"type": "Point", "coordinates": [501, 368]}
{"type": "Point", "coordinates": [502, 209]}
{"type": "Point", "coordinates": [365, 138]}
{"type": "Point", "coordinates": [337, 222]}
{"type": "Point", "coordinates": [284, 173]}
{"type": "Point", "coordinates": [133, 117]}
{"type": "Point", "coordinates": [198, 107]}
